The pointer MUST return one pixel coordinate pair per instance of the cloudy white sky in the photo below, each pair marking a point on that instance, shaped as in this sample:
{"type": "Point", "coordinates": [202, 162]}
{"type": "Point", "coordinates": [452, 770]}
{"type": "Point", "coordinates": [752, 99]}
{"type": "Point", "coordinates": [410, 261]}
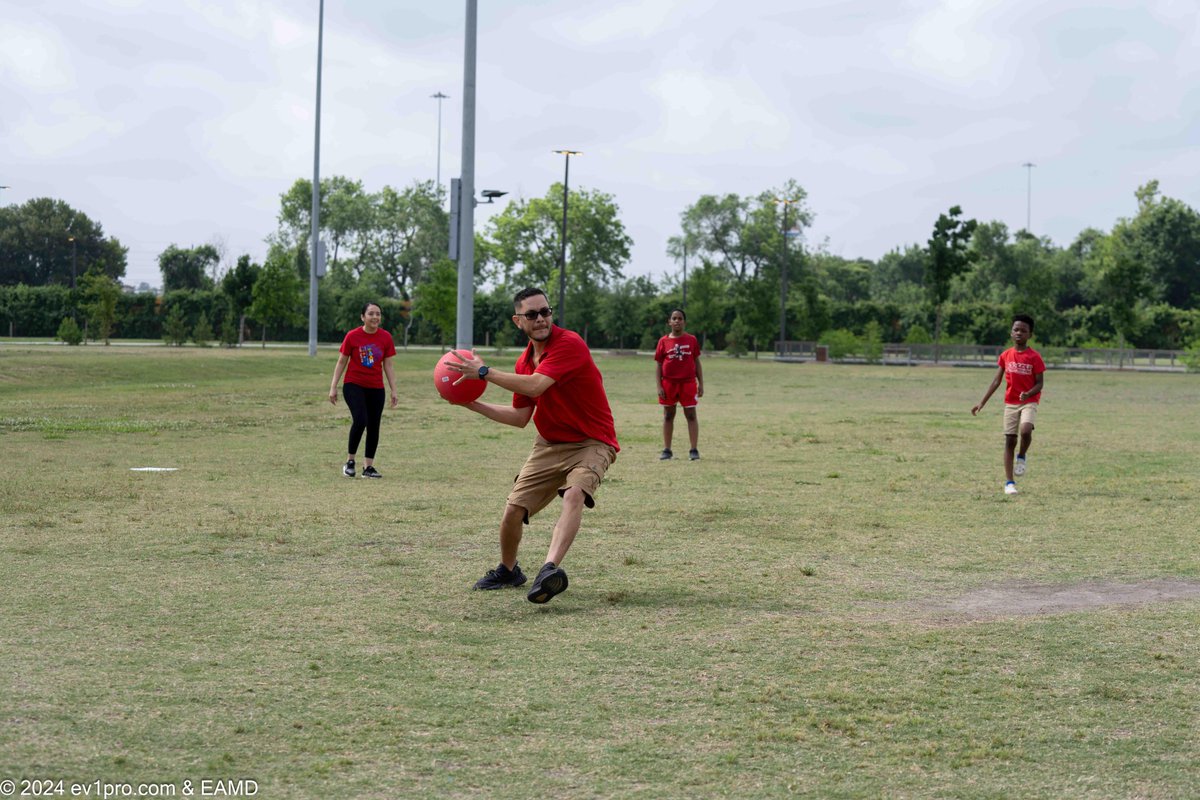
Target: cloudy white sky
{"type": "Point", "coordinates": [182, 121]}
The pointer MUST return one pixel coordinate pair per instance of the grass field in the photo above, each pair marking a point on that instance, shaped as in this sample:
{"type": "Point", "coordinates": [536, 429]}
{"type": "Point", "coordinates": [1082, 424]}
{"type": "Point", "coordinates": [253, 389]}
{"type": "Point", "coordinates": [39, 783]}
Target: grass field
{"type": "Point", "coordinates": [836, 602]}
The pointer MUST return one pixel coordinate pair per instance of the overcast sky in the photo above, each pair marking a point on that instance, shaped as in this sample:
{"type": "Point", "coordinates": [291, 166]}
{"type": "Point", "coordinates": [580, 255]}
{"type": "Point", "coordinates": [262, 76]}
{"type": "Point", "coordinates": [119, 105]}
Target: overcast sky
{"type": "Point", "coordinates": [182, 121]}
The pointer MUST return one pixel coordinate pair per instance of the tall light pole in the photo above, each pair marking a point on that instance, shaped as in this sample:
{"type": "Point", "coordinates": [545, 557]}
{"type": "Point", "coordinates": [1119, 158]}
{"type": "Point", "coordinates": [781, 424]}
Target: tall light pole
{"type": "Point", "coordinates": [562, 258]}
{"type": "Point", "coordinates": [71, 239]}
{"type": "Point", "coordinates": [1029, 165]}
{"type": "Point", "coordinates": [783, 272]}
{"type": "Point", "coordinates": [439, 96]}
{"type": "Point", "coordinates": [465, 324]}
{"type": "Point", "coordinates": [316, 194]}
{"type": "Point", "coordinates": [684, 303]}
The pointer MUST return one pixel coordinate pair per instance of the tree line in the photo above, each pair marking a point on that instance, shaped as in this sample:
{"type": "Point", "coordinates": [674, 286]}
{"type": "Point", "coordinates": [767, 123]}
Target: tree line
{"type": "Point", "coordinates": [743, 270]}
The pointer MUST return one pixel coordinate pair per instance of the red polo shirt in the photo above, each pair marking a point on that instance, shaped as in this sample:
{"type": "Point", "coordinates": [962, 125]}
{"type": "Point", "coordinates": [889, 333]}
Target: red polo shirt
{"type": "Point", "coordinates": [575, 407]}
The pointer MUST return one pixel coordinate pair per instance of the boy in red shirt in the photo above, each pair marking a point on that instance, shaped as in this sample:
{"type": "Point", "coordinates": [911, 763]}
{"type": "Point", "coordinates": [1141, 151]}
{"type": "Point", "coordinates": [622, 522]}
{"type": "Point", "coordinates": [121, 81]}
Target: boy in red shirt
{"type": "Point", "coordinates": [1022, 367]}
{"type": "Point", "coordinates": [680, 380]}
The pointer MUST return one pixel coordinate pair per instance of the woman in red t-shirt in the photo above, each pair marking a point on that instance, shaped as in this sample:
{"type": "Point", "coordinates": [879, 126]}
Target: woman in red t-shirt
{"type": "Point", "coordinates": [680, 380]}
{"type": "Point", "coordinates": [368, 353]}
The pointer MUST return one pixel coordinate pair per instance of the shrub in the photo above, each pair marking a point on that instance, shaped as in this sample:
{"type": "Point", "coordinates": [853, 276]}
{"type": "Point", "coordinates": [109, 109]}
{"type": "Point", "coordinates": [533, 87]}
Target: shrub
{"type": "Point", "coordinates": [841, 343]}
{"type": "Point", "coordinates": [202, 334]}
{"type": "Point", "coordinates": [229, 331]}
{"type": "Point", "coordinates": [175, 327]}
{"type": "Point", "coordinates": [918, 335]}
{"type": "Point", "coordinates": [872, 342]}
{"type": "Point", "coordinates": [69, 332]}
{"type": "Point", "coordinates": [1191, 358]}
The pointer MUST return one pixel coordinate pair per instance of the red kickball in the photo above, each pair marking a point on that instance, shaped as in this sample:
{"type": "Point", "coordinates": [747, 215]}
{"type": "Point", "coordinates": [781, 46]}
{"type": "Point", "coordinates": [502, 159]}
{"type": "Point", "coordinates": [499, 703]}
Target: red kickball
{"type": "Point", "coordinates": [443, 378]}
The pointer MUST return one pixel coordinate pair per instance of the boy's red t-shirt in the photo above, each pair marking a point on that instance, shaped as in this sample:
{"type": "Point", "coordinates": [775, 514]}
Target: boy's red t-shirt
{"type": "Point", "coordinates": [678, 356]}
{"type": "Point", "coordinates": [367, 352]}
{"type": "Point", "coordinates": [1020, 369]}
{"type": "Point", "coordinates": [575, 407]}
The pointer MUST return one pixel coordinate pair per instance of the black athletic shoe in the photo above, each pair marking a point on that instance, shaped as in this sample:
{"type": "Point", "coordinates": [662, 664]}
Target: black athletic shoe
{"type": "Point", "coordinates": [666, 455]}
{"type": "Point", "coordinates": [501, 577]}
{"type": "Point", "coordinates": [551, 580]}
{"type": "Point", "coordinates": [371, 472]}
{"type": "Point", "coordinates": [694, 455]}
{"type": "Point", "coordinates": [348, 470]}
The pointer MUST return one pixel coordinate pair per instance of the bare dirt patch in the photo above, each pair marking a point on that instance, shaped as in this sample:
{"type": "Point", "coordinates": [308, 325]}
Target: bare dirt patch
{"type": "Point", "coordinates": [1027, 599]}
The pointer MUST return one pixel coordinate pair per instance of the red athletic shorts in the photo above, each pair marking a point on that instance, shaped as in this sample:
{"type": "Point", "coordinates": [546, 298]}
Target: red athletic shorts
{"type": "Point", "coordinates": [682, 392]}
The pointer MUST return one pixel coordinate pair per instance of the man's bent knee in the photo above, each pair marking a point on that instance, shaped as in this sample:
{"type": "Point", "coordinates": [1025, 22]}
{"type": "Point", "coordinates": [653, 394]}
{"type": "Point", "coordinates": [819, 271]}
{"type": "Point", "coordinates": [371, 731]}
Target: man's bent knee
{"type": "Point", "coordinates": [574, 496]}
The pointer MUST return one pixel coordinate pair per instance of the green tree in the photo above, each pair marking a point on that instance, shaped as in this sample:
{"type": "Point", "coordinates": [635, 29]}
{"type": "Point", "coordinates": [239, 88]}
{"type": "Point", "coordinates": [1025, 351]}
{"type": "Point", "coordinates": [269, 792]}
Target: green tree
{"type": "Point", "coordinates": [175, 329]}
{"type": "Point", "coordinates": [187, 268]}
{"type": "Point", "coordinates": [345, 219]}
{"type": "Point", "coordinates": [948, 257]}
{"type": "Point", "coordinates": [408, 232]}
{"type": "Point", "coordinates": [231, 331]}
{"type": "Point", "coordinates": [525, 242]}
{"type": "Point", "coordinates": [627, 311]}
{"type": "Point", "coordinates": [238, 286]}
{"type": "Point", "coordinates": [1122, 280]}
{"type": "Point", "coordinates": [101, 293]}
{"type": "Point", "coordinates": [743, 235]}
{"type": "Point", "coordinates": [68, 332]}
{"type": "Point", "coordinates": [202, 333]}
{"type": "Point", "coordinates": [36, 246]}
{"type": "Point", "coordinates": [897, 271]}
{"type": "Point", "coordinates": [276, 293]}
{"type": "Point", "coordinates": [707, 294]}
{"type": "Point", "coordinates": [1166, 239]}
{"type": "Point", "coordinates": [758, 310]}
{"type": "Point", "coordinates": [436, 299]}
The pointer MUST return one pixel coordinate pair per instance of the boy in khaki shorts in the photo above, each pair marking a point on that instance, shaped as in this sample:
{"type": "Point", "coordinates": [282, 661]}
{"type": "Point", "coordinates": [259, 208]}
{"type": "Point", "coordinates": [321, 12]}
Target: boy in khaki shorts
{"type": "Point", "coordinates": [556, 383]}
{"type": "Point", "coordinates": [1023, 369]}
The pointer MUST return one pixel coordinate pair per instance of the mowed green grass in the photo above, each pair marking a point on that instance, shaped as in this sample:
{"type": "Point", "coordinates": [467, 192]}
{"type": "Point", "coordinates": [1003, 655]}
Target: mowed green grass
{"type": "Point", "coordinates": [770, 621]}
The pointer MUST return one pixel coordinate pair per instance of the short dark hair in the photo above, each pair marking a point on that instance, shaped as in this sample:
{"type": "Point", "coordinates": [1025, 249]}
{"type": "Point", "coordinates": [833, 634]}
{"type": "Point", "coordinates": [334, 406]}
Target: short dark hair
{"type": "Point", "coordinates": [368, 304]}
{"type": "Point", "coordinates": [1028, 320]}
{"type": "Point", "coordinates": [682, 313]}
{"type": "Point", "coordinates": [525, 294]}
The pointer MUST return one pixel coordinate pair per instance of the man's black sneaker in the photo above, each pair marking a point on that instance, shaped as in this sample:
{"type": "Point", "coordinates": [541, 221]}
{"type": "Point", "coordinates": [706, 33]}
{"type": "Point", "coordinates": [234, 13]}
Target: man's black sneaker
{"type": "Point", "coordinates": [666, 455]}
{"type": "Point", "coordinates": [348, 470]}
{"type": "Point", "coordinates": [551, 580]}
{"type": "Point", "coordinates": [694, 455]}
{"type": "Point", "coordinates": [371, 472]}
{"type": "Point", "coordinates": [501, 577]}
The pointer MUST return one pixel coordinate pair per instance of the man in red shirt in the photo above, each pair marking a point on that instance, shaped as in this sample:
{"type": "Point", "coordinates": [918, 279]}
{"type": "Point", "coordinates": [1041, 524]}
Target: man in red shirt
{"type": "Point", "coordinates": [556, 383]}
{"type": "Point", "coordinates": [1022, 367]}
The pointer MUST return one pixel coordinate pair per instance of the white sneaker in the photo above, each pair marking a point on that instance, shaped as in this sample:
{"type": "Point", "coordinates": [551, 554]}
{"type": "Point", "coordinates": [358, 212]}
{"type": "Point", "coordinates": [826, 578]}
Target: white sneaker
{"type": "Point", "coordinates": [1019, 467]}
{"type": "Point", "coordinates": [1010, 488]}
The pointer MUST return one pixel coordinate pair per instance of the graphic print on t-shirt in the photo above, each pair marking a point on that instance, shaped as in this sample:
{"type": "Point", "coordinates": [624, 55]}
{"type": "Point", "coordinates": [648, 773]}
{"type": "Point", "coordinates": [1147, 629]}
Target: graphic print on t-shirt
{"type": "Point", "coordinates": [679, 352]}
{"type": "Point", "coordinates": [369, 355]}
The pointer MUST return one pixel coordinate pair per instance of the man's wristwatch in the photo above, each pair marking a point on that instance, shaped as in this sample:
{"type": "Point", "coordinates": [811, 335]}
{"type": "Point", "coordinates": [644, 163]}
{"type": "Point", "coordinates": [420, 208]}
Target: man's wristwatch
{"type": "Point", "coordinates": [483, 371]}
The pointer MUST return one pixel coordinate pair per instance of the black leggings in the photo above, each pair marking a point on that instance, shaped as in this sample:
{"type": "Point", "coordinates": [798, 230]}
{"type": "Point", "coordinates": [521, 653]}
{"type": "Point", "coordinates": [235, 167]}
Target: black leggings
{"type": "Point", "coordinates": [366, 408]}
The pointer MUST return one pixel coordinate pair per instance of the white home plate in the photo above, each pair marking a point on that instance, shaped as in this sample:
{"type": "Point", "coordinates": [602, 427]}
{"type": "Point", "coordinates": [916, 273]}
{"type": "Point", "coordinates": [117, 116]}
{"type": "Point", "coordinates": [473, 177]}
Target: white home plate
{"type": "Point", "coordinates": [153, 469]}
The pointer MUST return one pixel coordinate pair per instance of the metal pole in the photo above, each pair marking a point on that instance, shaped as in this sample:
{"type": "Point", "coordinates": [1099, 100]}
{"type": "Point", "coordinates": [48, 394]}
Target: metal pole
{"type": "Point", "coordinates": [73, 262]}
{"type": "Point", "coordinates": [316, 194]}
{"type": "Point", "coordinates": [561, 310]}
{"type": "Point", "coordinates": [783, 270]}
{"type": "Point", "coordinates": [465, 333]}
{"type": "Point", "coordinates": [1029, 165]}
{"type": "Point", "coordinates": [684, 304]}
{"type": "Point", "coordinates": [439, 97]}
{"type": "Point", "coordinates": [562, 259]}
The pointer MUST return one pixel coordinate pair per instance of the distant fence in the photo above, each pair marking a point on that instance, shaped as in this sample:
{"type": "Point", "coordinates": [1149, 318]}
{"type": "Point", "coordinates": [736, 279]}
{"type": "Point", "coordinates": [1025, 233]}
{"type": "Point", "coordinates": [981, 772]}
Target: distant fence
{"type": "Point", "coordinates": [971, 355]}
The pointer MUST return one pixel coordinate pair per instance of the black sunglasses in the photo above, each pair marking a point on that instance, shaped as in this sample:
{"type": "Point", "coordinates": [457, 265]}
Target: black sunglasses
{"type": "Point", "coordinates": [532, 315]}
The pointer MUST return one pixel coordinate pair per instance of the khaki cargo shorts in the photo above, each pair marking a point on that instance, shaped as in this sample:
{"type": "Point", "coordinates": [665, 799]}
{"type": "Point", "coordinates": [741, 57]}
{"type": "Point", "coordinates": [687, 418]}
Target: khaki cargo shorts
{"type": "Point", "coordinates": [551, 469]}
{"type": "Point", "coordinates": [1016, 416]}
